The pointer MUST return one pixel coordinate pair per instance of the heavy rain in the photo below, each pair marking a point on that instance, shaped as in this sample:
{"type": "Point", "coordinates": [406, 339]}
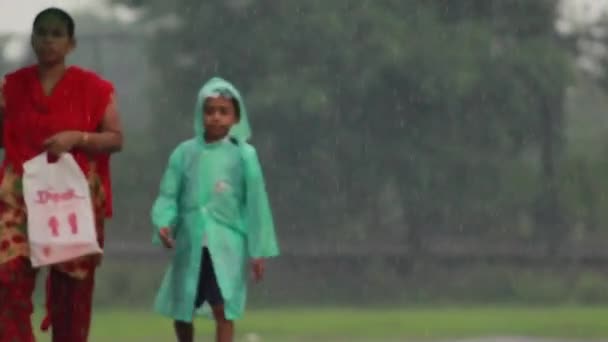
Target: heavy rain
{"type": "Point", "coordinates": [437, 169]}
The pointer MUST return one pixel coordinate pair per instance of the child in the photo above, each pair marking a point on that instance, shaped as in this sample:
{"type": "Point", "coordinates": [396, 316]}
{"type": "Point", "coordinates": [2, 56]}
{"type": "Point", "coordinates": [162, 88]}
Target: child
{"type": "Point", "coordinates": [213, 208]}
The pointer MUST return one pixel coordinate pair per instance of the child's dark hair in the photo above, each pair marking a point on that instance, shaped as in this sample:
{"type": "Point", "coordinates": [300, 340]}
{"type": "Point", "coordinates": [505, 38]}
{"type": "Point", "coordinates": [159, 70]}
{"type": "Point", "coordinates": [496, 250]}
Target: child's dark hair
{"type": "Point", "coordinates": [237, 107]}
{"type": "Point", "coordinates": [59, 14]}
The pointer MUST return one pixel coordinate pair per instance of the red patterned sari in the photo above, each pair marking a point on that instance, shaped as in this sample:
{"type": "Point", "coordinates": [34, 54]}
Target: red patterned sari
{"type": "Point", "coordinates": [78, 102]}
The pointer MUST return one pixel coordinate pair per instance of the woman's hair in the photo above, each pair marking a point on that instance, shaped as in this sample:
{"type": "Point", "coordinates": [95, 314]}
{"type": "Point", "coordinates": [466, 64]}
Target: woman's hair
{"type": "Point", "coordinates": [59, 14]}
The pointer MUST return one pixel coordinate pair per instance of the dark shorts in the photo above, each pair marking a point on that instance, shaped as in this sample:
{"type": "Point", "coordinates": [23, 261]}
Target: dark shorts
{"type": "Point", "coordinates": [208, 289]}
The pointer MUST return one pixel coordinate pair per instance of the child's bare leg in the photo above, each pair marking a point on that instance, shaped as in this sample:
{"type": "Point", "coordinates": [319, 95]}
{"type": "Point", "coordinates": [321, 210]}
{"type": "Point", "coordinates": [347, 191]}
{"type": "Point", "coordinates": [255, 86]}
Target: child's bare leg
{"type": "Point", "coordinates": [224, 329]}
{"type": "Point", "coordinates": [184, 331]}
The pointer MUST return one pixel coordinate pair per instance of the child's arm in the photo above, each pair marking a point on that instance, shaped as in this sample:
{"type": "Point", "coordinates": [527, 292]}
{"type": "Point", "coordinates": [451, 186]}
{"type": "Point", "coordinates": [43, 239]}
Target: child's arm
{"type": "Point", "coordinates": [261, 238]}
{"type": "Point", "coordinates": [165, 209]}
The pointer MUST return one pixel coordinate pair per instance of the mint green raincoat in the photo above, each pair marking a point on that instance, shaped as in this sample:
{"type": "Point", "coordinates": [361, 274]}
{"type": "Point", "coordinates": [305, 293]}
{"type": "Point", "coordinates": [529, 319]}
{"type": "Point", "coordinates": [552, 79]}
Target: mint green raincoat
{"type": "Point", "coordinates": [213, 192]}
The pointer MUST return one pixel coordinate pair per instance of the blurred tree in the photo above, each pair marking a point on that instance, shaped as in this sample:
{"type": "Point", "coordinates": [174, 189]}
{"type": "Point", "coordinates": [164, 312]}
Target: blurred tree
{"type": "Point", "coordinates": [443, 101]}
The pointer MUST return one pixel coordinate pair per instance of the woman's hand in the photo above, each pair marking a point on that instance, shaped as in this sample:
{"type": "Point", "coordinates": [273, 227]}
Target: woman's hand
{"type": "Point", "coordinates": [62, 142]}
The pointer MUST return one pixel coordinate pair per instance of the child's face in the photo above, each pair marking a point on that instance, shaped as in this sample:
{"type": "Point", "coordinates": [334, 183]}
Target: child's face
{"type": "Point", "coordinates": [219, 116]}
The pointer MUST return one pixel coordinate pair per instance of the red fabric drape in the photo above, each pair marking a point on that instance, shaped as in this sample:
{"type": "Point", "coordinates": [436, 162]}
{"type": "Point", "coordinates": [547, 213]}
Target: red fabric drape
{"type": "Point", "coordinates": [78, 102]}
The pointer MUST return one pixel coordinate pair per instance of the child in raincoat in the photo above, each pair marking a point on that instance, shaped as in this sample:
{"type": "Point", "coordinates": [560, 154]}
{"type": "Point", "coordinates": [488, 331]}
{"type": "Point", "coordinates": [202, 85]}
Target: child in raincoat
{"type": "Point", "coordinates": [213, 209]}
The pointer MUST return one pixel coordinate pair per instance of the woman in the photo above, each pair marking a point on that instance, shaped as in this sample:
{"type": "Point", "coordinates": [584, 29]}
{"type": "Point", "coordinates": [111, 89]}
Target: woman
{"type": "Point", "coordinates": [54, 108]}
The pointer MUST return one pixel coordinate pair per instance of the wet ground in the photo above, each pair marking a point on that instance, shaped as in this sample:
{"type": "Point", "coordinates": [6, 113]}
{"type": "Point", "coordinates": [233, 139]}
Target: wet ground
{"type": "Point", "coordinates": [254, 338]}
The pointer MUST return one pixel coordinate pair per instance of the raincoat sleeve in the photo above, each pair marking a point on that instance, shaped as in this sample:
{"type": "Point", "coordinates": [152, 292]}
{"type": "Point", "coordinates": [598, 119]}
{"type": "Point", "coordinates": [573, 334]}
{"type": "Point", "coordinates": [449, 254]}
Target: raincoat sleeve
{"type": "Point", "coordinates": [165, 209]}
{"type": "Point", "coordinates": [261, 238]}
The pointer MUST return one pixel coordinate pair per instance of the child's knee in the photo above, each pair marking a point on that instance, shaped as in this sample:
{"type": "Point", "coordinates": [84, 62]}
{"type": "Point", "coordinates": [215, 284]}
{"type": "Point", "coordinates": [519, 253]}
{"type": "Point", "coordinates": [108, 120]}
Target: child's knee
{"type": "Point", "coordinates": [219, 313]}
{"type": "Point", "coordinates": [182, 324]}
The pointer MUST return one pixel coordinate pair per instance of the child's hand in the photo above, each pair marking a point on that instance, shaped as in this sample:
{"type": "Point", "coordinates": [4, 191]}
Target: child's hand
{"type": "Point", "coordinates": [165, 237]}
{"type": "Point", "coordinates": [257, 269]}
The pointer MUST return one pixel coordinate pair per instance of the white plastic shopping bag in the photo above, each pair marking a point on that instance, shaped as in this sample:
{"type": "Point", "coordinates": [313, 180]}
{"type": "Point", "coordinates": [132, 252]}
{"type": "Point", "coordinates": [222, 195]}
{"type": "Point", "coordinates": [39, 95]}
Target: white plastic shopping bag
{"type": "Point", "coordinates": [61, 225]}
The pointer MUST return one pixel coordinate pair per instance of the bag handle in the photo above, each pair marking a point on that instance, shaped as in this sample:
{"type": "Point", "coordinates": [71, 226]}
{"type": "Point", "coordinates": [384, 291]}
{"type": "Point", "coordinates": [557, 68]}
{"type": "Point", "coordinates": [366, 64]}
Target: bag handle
{"type": "Point", "coordinates": [41, 160]}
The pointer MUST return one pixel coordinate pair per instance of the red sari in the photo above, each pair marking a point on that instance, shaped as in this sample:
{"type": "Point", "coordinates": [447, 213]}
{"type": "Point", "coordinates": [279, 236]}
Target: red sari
{"type": "Point", "coordinates": [78, 102]}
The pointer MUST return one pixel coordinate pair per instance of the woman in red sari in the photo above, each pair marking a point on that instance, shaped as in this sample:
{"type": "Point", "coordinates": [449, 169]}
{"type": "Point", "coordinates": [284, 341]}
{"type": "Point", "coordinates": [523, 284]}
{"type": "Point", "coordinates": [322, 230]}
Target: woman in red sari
{"type": "Point", "coordinates": [58, 109]}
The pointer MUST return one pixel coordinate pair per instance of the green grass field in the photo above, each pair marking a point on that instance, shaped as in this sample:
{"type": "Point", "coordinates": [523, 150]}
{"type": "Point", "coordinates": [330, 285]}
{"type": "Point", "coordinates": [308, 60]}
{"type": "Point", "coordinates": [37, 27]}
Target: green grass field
{"type": "Point", "coordinates": [328, 325]}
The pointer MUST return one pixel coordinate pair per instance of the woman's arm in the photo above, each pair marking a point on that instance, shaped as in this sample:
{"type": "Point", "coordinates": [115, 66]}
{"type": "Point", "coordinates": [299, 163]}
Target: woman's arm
{"type": "Point", "coordinates": [109, 138]}
{"type": "Point", "coordinates": [2, 106]}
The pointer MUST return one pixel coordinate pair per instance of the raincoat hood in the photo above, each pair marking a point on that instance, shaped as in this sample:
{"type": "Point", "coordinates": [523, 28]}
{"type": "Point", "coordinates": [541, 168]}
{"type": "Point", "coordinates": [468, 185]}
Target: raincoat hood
{"type": "Point", "coordinates": [214, 87]}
